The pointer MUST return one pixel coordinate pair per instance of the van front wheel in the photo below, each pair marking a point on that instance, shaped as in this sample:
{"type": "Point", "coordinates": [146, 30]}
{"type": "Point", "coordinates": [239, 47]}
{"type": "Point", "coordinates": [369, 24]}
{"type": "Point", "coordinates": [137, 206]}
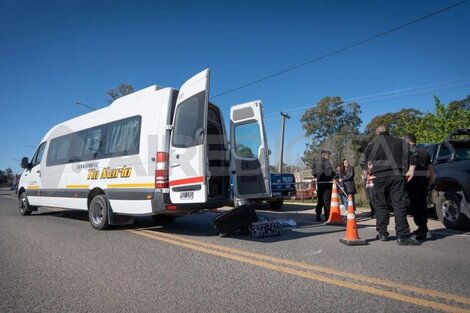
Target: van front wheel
{"type": "Point", "coordinates": [23, 204]}
{"type": "Point", "coordinates": [98, 212]}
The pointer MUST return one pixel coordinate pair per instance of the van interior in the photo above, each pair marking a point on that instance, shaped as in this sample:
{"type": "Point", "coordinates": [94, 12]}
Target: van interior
{"type": "Point", "coordinates": [219, 165]}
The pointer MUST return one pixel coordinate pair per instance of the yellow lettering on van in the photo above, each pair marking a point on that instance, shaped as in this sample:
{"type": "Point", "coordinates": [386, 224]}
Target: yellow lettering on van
{"type": "Point", "coordinates": [93, 174]}
{"type": "Point", "coordinates": [120, 172]}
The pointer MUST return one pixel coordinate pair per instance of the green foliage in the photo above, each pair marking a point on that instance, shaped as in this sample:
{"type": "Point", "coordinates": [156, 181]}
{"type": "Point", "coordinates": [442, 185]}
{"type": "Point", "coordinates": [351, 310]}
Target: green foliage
{"type": "Point", "coordinates": [120, 91]}
{"type": "Point", "coordinates": [435, 126]}
{"type": "Point", "coordinates": [463, 104]}
{"type": "Point", "coordinates": [394, 121]}
{"type": "Point", "coordinates": [333, 126]}
{"type": "Point", "coordinates": [427, 127]}
{"type": "Point", "coordinates": [244, 151]}
{"type": "Point", "coordinates": [6, 176]}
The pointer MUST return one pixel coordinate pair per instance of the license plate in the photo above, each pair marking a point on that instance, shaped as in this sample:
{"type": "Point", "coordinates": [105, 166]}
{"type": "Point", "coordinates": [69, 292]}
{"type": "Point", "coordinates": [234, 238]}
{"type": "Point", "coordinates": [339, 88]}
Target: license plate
{"type": "Point", "coordinates": [276, 193]}
{"type": "Point", "coordinates": [186, 195]}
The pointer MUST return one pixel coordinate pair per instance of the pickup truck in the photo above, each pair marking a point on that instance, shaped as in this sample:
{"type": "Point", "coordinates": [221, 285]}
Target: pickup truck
{"type": "Point", "coordinates": [282, 187]}
{"type": "Point", "coordinates": [451, 163]}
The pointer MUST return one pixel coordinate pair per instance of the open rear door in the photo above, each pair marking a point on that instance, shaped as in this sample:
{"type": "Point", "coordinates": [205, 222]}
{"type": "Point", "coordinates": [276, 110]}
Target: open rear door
{"type": "Point", "coordinates": [188, 164]}
{"type": "Point", "coordinates": [250, 163]}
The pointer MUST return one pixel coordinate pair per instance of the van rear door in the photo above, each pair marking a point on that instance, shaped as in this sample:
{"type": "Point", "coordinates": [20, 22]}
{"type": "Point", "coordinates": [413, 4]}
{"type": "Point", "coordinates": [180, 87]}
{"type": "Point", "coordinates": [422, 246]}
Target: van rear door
{"type": "Point", "coordinates": [188, 157]}
{"type": "Point", "coordinates": [249, 150]}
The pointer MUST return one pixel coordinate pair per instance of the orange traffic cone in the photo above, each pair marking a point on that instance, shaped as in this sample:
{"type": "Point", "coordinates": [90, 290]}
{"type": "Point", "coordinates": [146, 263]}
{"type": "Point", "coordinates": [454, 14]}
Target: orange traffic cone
{"type": "Point", "coordinates": [352, 236]}
{"type": "Point", "coordinates": [335, 213]}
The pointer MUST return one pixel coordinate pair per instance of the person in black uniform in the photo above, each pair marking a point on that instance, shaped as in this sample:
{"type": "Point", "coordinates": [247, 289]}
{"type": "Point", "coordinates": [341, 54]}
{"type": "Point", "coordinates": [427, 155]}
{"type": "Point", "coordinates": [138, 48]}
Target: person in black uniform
{"type": "Point", "coordinates": [323, 172]}
{"type": "Point", "coordinates": [418, 190]}
{"type": "Point", "coordinates": [392, 160]}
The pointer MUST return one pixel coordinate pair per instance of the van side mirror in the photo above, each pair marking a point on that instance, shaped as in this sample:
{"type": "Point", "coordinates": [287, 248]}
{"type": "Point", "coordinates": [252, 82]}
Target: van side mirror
{"type": "Point", "coordinates": [24, 162]}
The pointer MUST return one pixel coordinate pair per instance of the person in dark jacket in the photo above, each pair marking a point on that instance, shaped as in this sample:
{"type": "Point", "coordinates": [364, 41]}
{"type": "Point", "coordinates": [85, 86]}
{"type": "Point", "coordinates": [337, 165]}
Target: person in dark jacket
{"type": "Point", "coordinates": [341, 190]}
{"type": "Point", "coordinates": [347, 178]}
{"type": "Point", "coordinates": [393, 161]}
{"type": "Point", "coordinates": [323, 172]}
{"type": "Point", "coordinates": [418, 190]}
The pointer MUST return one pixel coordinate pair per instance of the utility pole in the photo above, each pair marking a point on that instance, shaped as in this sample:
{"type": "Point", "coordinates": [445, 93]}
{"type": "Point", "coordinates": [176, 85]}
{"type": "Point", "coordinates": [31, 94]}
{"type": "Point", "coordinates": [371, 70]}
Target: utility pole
{"type": "Point", "coordinates": [283, 121]}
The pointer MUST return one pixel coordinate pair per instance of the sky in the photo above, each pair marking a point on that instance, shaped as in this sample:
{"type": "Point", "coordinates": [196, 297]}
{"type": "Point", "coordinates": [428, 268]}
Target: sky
{"type": "Point", "coordinates": [54, 53]}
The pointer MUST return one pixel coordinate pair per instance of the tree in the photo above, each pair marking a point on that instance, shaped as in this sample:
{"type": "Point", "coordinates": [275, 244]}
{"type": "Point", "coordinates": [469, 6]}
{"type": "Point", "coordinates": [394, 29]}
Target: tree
{"type": "Point", "coordinates": [463, 104]}
{"type": "Point", "coordinates": [332, 125]}
{"type": "Point", "coordinates": [427, 127]}
{"type": "Point", "coordinates": [120, 91]}
{"type": "Point", "coordinates": [244, 151]}
{"type": "Point", "coordinates": [394, 121]}
{"type": "Point", "coordinates": [435, 126]}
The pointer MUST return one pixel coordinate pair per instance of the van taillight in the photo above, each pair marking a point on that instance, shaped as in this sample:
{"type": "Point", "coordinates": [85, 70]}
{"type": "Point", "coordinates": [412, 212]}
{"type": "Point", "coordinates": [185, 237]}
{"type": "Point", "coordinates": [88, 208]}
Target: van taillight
{"type": "Point", "coordinates": [161, 172]}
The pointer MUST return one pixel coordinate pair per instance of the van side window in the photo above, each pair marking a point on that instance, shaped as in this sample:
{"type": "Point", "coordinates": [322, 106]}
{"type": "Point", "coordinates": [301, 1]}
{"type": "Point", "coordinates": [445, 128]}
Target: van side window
{"type": "Point", "coordinates": [189, 121]}
{"type": "Point", "coordinates": [119, 138]}
{"type": "Point", "coordinates": [37, 158]}
{"type": "Point", "coordinates": [247, 140]}
{"type": "Point", "coordinates": [87, 144]}
{"type": "Point", "coordinates": [123, 137]}
{"type": "Point", "coordinates": [58, 152]}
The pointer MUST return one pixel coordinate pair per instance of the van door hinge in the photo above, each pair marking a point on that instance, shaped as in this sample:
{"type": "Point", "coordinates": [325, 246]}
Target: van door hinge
{"type": "Point", "coordinates": [169, 127]}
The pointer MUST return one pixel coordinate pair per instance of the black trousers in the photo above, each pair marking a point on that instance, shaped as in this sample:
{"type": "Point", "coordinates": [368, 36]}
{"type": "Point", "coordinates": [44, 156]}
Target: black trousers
{"type": "Point", "coordinates": [368, 194]}
{"type": "Point", "coordinates": [389, 193]}
{"type": "Point", "coordinates": [418, 192]}
{"type": "Point", "coordinates": [324, 198]}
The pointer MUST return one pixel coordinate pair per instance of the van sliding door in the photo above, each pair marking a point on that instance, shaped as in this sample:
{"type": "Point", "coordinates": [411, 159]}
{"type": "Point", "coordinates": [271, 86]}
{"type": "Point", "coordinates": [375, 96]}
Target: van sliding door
{"type": "Point", "coordinates": [188, 156]}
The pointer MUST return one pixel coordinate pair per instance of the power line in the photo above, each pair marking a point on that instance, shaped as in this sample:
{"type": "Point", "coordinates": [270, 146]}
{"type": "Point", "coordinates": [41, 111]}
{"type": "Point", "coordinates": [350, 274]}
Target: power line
{"type": "Point", "coordinates": [385, 95]}
{"type": "Point", "coordinates": [342, 49]}
{"type": "Point", "coordinates": [85, 105]}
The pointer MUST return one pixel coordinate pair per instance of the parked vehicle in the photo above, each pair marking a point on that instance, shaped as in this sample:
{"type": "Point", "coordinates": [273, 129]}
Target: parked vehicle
{"type": "Point", "coordinates": [451, 163]}
{"type": "Point", "coordinates": [157, 151]}
{"type": "Point", "coordinates": [282, 186]}
{"type": "Point", "coordinates": [305, 189]}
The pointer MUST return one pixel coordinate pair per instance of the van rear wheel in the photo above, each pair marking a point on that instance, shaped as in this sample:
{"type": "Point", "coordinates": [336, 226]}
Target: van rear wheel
{"type": "Point", "coordinates": [23, 205]}
{"type": "Point", "coordinates": [98, 212]}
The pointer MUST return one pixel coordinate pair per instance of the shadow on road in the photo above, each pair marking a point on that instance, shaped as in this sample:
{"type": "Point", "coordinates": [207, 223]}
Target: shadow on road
{"type": "Point", "coordinates": [201, 225]}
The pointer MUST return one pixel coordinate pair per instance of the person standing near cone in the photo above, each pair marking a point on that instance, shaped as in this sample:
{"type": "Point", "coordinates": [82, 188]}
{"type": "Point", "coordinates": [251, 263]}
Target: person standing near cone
{"type": "Point", "coordinates": [323, 172]}
{"type": "Point", "coordinates": [347, 178]}
{"type": "Point", "coordinates": [418, 190]}
{"type": "Point", "coordinates": [368, 184]}
{"type": "Point", "coordinates": [393, 161]}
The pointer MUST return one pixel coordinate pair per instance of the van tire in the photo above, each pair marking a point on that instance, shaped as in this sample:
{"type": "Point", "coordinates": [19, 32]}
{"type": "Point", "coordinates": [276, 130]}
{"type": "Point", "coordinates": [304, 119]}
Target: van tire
{"type": "Point", "coordinates": [23, 205]}
{"type": "Point", "coordinates": [449, 213]}
{"type": "Point", "coordinates": [276, 205]}
{"type": "Point", "coordinates": [98, 212]}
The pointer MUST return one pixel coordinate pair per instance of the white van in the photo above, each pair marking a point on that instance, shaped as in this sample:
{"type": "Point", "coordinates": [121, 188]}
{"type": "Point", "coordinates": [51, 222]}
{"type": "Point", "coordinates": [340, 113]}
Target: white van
{"type": "Point", "coordinates": [156, 151]}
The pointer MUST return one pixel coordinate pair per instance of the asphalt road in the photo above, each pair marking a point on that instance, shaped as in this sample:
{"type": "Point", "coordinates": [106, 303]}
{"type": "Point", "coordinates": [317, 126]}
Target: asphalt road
{"type": "Point", "coordinates": [53, 261]}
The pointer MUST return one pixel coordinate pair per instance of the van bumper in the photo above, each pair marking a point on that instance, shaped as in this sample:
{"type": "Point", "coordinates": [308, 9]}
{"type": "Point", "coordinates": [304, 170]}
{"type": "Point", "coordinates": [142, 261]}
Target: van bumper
{"type": "Point", "coordinates": [161, 204]}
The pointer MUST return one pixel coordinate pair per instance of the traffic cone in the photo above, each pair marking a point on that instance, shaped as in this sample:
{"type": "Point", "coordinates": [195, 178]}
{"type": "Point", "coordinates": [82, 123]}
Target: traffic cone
{"type": "Point", "coordinates": [352, 236]}
{"type": "Point", "coordinates": [335, 213]}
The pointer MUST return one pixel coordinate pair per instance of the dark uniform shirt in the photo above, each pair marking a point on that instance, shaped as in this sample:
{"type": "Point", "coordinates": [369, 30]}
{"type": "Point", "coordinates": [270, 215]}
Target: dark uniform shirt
{"type": "Point", "coordinates": [323, 170]}
{"type": "Point", "coordinates": [390, 156]}
{"type": "Point", "coordinates": [424, 160]}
